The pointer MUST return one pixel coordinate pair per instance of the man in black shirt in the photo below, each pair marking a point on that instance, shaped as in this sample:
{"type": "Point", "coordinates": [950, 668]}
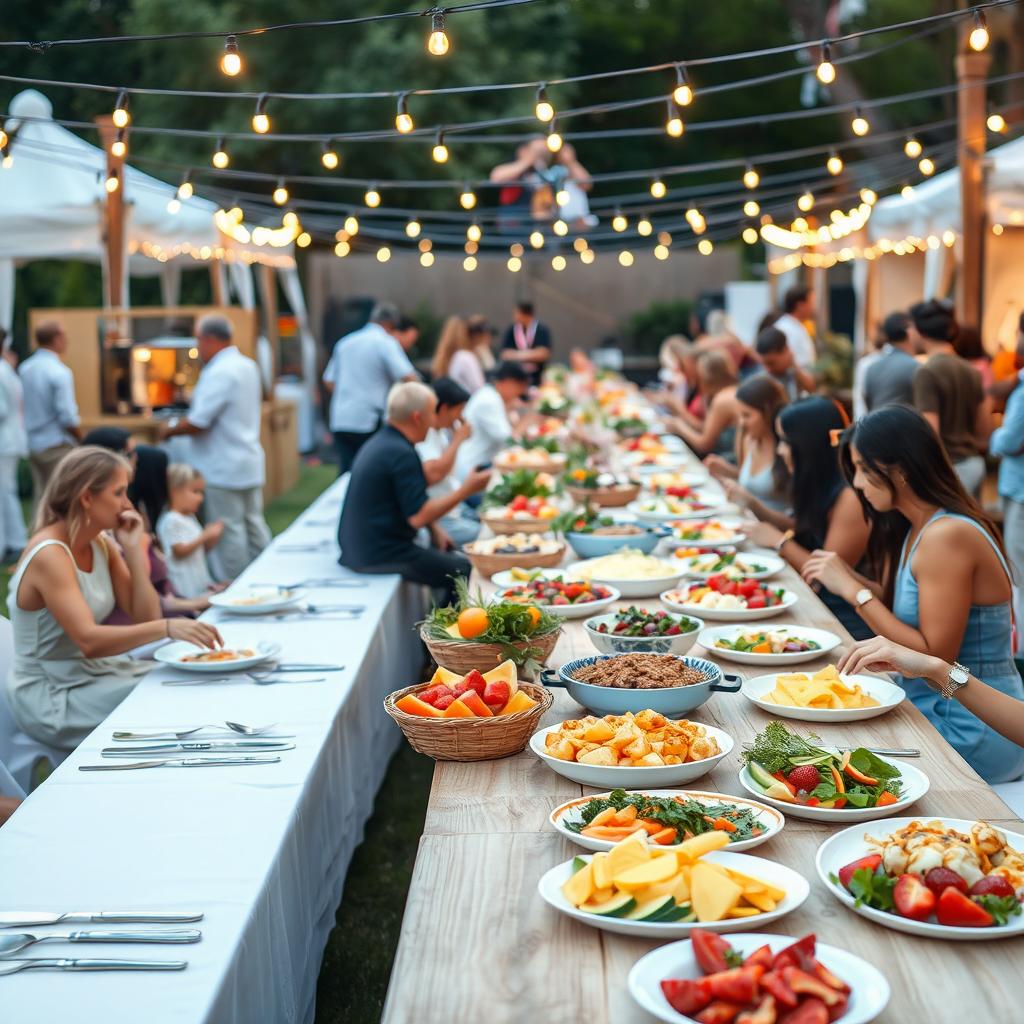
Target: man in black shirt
{"type": "Point", "coordinates": [527, 341]}
{"type": "Point", "coordinates": [387, 503]}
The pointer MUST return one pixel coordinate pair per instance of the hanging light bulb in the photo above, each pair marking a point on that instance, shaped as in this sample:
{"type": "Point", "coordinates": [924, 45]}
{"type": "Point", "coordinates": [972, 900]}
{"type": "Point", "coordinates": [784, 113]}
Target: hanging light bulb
{"type": "Point", "coordinates": [174, 205]}
{"type": "Point", "coordinates": [260, 118]}
{"type": "Point", "coordinates": [471, 247]}
{"type": "Point", "coordinates": [121, 117]}
{"type": "Point", "coordinates": [625, 258]}
{"type": "Point", "coordinates": [437, 42]}
{"type": "Point", "coordinates": [658, 189]}
{"type": "Point", "coordinates": [996, 123]}
{"type": "Point", "coordinates": [705, 247]}
{"type": "Point", "coordinates": [474, 232]}
{"type": "Point", "coordinates": [516, 249]}
{"type": "Point", "coordinates": [751, 179]}
{"type": "Point", "coordinates": [372, 197]}
{"type": "Point", "coordinates": [683, 92]}
{"type": "Point", "coordinates": [826, 71]}
{"type": "Point", "coordinates": [619, 222]}
{"type": "Point", "coordinates": [560, 228]}
{"type": "Point", "coordinates": [220, 158]}
{"type": "Point", "coordinates": [661, 252]}
{"type": "Point", "coordinates": [558, 263]}
{"type": "Point", "coordinates": [412, 229]}
{"type": "Point", "coordinates": [749, 235]}
{"type": "Point", "coordinates": [579, 244]}
{"type": "Point", "coordinates": [185, 189]}
{"type": "Point", "coordinates": [859, 125]}
{"type": "Point", "coordinates": [352, 224]}
{"type": "Point", "coordinates": [329, 157]}
{"type": "Point", "coordinates": [869, 196]}
{"type": "Point", "coordinates": [403, 119]}
{"type": "Point", "coordinates": [113, 182]}
{"type": "Point", "coordinates": [4, 139]}
{"type": "Point", "coordinates": [119, 147]}
{"type": "Point", "coordinates": [514, 264]}
{"type": "Point", "coordinates": [383, 254]}
{"type": "Point", "coordinates": [805, 202]}
{"type": "Point", "coordinates": [440, 150]}
{"type": "Point", "coordinates": [469, 264]}
{"type": "Point", "coordinates": [537, 239]}
{"type": "Point", "coordinates": [587, 256]}
{"type": "Point", "coordinates": [281, 193]}
{"type": "Point", "coordinates": [912, 148]}
{"type": "Point", "coordinates": [978, 39]}
{"type": "Point", "coordinates": [562, 197]}
{"type": "Point", "coordinates": [425, 245]}
{"type": "Point", "coordinates": [543, 108]}
{"type": "Point", "coordinates": [673, 122]}
{"type": "Point", "coordinates": [751, 209]}
{"type": "Point", "coordinates": [834, 164]}
{"type": "Point", "coordinates": [467, 199]}
{"type": "Point", "coordinates": [907, 191]}
{"type": "Point", "coordinates": [6, 160]}
{"type": "Point", "coordinates": [554, 140]}
{"type": "Point", "coordinates": [342, 249]}
{"type": "Point", "coordinates": [644, 227]}
{"type": "Point", "coordinates": [926, 166]}
{"type": "Point", "coordinates": [304, 240]}
{"type": "Point", "coordinates": [231, 59]}
{"type": "Point", "coordinates": [426, 259]}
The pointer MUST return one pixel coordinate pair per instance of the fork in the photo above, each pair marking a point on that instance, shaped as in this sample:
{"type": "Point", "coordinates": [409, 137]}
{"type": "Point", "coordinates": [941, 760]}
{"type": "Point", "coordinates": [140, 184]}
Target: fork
{"type": "Point", "coordinates": [235, 727]}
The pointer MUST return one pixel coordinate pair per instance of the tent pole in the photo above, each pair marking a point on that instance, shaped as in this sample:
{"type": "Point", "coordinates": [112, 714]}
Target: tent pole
{"type": "Point", "coordinates": [116, 290]}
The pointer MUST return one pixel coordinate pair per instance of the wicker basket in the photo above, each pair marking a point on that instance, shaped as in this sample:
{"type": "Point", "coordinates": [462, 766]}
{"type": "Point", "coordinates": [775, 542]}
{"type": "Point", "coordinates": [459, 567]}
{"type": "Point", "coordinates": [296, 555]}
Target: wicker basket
{"type": "Point", "coordinates": [488, 565]}
{"type": "Point", "coordinates": [509, 526]}
{"type": "Point", "coordinates": [606, 497]}
{"type": "Point", "coordinates": [465, 655]}
{"type": "Point", "coordinates": [470, 739]}
{"type": "Point", "coordinates": [550, 465]}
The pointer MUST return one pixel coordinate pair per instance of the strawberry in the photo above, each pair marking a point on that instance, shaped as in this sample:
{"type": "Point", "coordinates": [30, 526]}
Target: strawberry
{"type": "Point", "coordinates": [474, 681]}
{"type": "Point", "coordinates": [915, 900]}
{"type": "Point", "coordinates": [957, 910]}
{"type": "Point", "coordinates": [937, 879]}
{"type": "Point", "coordinates": [991, 885]}
{"type": "Point", "coordinates": [461, 687]}
{"type": "Point", "coordinates": [442, 703]}
{"type": "Point", "coordinates": [496, 694]}
{"type": "Point", "coordinates": [871, 861]}
{"type": "Point", "coordinates": [431, 694]}
{"type": "Point", "coordinates": [805, 777]}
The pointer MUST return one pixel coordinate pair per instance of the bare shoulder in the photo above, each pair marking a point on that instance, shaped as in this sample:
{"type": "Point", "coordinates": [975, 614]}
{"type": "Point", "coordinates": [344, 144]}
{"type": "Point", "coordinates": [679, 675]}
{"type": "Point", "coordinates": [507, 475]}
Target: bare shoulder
{"type": "Point", "coordinates": [955, 540]}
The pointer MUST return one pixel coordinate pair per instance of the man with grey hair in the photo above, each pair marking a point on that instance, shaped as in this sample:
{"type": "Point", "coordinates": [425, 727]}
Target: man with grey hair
{"type": "Point", "coordinates": [359, 374]}
{"type": "Point", "coordinates": [386, 503]}
{"type": "Point", "coordinates": [224, 424]}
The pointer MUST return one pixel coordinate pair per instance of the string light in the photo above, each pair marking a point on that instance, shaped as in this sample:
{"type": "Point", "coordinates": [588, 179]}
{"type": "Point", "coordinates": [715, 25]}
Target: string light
{"type": "Point", "coordinates": [113, 182]}
{"type": "Point", "coordinates": [185, 189]}
{"type": "Point", "coordinates": [260, 118]}
{"type": "Point", "coordinates": [625, 258]}
{"type": "Point", "coordinates": [619, 222]}
{"type": "Point", "coordinates": [562, 197]}
{"type": "Point", "coordinates": [174, 205]}
{"type": "Point", "coordinates": [587, 256]}
{"type": "Point", "coordinates": [834, 164]}
{"type": "Point", "coordinates": [6, 160]}
{"type": "Point", "coordinates": [664, 238]}
{"type": "Point", "coordinates": [372, 197]}
{"type": "Point", "coordinates": [352, 224]}
{"type": "Point", "coordinates": [644, 227]}
{"type": "Point", "coordinates": [426, 259]}
{"type": "Point", "coordinates": [558, 263]}
{"type": "Point", "coordinates": [658, 189]}
{"type": "Point", "coordinates": [474, 232]}
{"type": "Point", "coordinates": [907, 191]}
{"type": "Point", "coordinates": [674, 123]}
{"type": "Point", "coordinates": [705, 247]}
{"type": "Point", "coordinates": [438, 43]}
{"type": "Point", "coordinates": [926, 166]}
{"type": "Point", "coordinates": [516, 249]}
{"type": "Point", "coordinates": [661, 252]}
{"type": "Point", "coordinates": [220, 158]}
{"type": "Point", "coordinates": [826, 71]}
{"type": "Point", "coordinates": [543, 108]}
{"type": "Point", "coordinates": [281, 193]}
{"type": "Point", "coordinates": [121, 117]}
{"type": "Point", "coordinates": [749, 236]}
{"type": "Point", "coordinates": [342, 249]}
{"type": "Point", "coordinates": [859, 125]}
{"type": "Point", "coordinates": [467, 200]}
{"type": "Point", "coordinates": [805, 202]}
{"type": "Point", "coordinates": [440, 151]}
{"type": "Point", "coordinates": [579, 244]}
{"type": "Point", "coordinates": [996, 123]}
{"type": "Point", "coordinates": [560, 228]}
{"type": "Point", "coordinates": [403, 119]}
{"type": "Point", "coordinates": [536, 240]}
{"type": "Point", "coordinates": [912, 148]}
{"type": "Point", "coordinates": [304, 240]}
{"type": "Point", "coordinates": [231, 59]}
{"type": "Point", "coordinates": [383, 254]}
{"type": "Point", "coordinates": [554, 140]}
{"type": "Point", "coordinates": [683, 92]}
{"type": "Point", "coordinates": [425, 245]}
{"type": "Point", "coordinates": [514, 264]}
{"type": "Point", "coordinates": [329, 157]}
{"type": "Point", "coordinates": [471, 247]}
{"type": "Point", "coordinates": [869, 196]}
{"type": "Point", "coordinates": [751, 209]}
{"type": "Point", "coordinates": [469, 264]}
{"type": "Point", "coordinates": [751, 179]}
{"type": "Point", "coordinates": [4, 139]}
{"type": "Point", "coordinates": [119, 147]}
{"type": "Point", "coordinates": [978, 39]}
{"type": "Point", "coordinates": [997, 229]}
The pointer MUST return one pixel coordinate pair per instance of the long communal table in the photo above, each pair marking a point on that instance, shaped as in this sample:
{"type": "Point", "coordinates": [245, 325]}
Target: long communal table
{"type": "Point", "coordinates": [262, 851]}
{"type": "Point", "coordinates": [478, 942]}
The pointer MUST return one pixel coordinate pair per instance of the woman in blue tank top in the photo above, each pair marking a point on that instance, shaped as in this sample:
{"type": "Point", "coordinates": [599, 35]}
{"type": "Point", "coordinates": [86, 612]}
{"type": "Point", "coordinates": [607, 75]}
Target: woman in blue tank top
{"type": "Point", "coordinates": [946, 589]}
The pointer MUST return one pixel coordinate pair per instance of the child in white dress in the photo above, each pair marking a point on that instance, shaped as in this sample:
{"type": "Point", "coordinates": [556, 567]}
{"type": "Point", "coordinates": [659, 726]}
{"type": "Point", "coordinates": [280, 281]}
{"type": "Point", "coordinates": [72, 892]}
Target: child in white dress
{"type": "Point", "coordinates": [184, 540]}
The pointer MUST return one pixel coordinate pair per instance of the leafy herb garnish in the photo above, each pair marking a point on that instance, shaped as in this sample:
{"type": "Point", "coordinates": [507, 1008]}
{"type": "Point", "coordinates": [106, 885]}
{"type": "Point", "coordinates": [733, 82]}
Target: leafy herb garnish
{"type": "Point", "coordinates": [1002, 908]}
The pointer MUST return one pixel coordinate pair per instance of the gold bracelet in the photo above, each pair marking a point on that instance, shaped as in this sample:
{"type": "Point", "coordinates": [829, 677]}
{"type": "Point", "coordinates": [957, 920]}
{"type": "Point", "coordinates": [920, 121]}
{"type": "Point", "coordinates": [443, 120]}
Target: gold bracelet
{"type": "Point", "coordinates": [784, 540]}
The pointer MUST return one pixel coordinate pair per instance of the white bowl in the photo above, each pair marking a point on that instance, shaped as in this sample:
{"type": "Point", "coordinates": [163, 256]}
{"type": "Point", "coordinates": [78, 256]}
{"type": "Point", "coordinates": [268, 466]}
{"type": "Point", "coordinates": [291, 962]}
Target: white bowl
{"type": "Point", "coordinates": [770, 819]}
{"type": "Point", "coordinates": [847, 846]}
{"type": "Point", "coordinates": [647, 516]}
{"type": "Point", "coordinates": [608, 777]}
{"type": "Point", "coordinates": [794, 884]}
{"type": "Point", "coordinates": [564, 611]}
{"type": "Point", "coordinates": [612, 643]}
{"type": "Point", "coordinates": [869, 994]}
{"type": "Point", "coordinates": [770, 565]}
{"type": "Point", "coordinates": [242, 600]}
{"type": "Point", "coordinates": [825, 640]}
{"type": "Point", "coordinates": [647, 587]}
{"type": "Point", "coordinates": [172, 654]}
{"type": "Point", "coordinates": [888, 695]}
{"type": "Point", "coordinates": [915, 785]}
{"type": "Point", "coordinates": [789, 598]}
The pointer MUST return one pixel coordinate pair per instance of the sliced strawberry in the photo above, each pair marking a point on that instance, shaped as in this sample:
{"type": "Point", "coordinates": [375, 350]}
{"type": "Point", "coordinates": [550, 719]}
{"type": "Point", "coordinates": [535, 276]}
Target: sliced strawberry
{"type": "Point", "coordinates": [736, 986]}
{"type": "Point", "coordinates": [804, 984]}
{"type": "Point", "coordinates": [719, 1012]}
{"type": "Point", "coordinates": [431, 693]}
{"type": "Point", "coordinates": [992, 885]}
{"type": "Point", "coordinates": [764, 1013]}
{"type": "Point", "coordinates": [914, 899]}
{"type": "Point", "coordinates": [775, 983]}
{"type": "Point", "coordinates": [444, 702]}
{"type": "Point", "coordinates": [938, 879]}
{"type": "Point", "coordinates": [762, 956]}
{"type": "Point", "coordinates": [496, 694]}
{"type": "Point", "coordinates": [709, 950]}
{"type": "Point", "coordinates": [475, 681]}
{"type": "Point", "coordinates": [958, 911]}
{"type": "Point", "coordinates": [687, 995]}
{"type": "Point", "coordinates": [810, 1011]}
{"type": "Point", "coordinates": [847, 871]}
{"type": "Point", "coordinates": [835, 1012]}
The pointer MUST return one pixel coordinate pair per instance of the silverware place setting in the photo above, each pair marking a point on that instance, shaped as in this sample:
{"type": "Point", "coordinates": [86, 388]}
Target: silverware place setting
{"type": "Point", "coordinates": [327, 583]}
{"type": "Point", "coordinates": [15, 942]}
{"type": "Point", "coordinates": [269, 679]}
{"type": "Point", "coordinates": [181, 762]}
{"type": "Point", "coordinates": [896, 751]}
{"type": "Point", "coordinates": [198, 747]}
{"type": "Point", "coordinates": [181, 734]}
{"type": "Point", "coordinates": [13, 966]}
{"type": "Point", "coordinates": [38, 918]}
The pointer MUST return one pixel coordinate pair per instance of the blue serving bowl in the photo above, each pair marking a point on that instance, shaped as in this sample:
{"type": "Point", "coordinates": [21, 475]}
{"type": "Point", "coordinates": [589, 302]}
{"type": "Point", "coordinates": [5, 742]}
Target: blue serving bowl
{"type": "Point", "coordinates": [594, 545]}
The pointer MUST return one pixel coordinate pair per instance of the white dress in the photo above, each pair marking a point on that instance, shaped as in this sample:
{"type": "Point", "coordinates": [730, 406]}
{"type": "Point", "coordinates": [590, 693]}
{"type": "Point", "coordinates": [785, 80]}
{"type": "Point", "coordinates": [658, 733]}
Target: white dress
{"type": "Point", "coordinates": [56, 694]}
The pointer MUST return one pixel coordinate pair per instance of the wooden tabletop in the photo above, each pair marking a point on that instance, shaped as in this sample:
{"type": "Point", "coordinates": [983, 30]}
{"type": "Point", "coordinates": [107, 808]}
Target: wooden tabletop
{"type": "Point", "coordinates": [479, 943]}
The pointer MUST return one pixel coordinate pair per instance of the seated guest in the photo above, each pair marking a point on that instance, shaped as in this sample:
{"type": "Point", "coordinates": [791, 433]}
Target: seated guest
{"type": "Point", "coordinates": [66, 676]}
{"type": "Point", "coordinates": [948, 390]}
{"type": "Point", "coordinates": [827, 515]}
{"type": "Point", "coordinates": [387, 501]}
{"type": "Point", "coordinates": [759, 474]}
{"type": "Point", "coordinates": [456, 358]}
{"type": "Point", "coordinates": [779, 362]}
{"type": "Point", "coordinates": [677, 373]}
{"type": "Point", "coordinates": [482, 335]}
{"type": "Point", "coordinates": [890, 379]}
{"type": "Point", "coordinates": [488, 414]}
{"type": "Point", "coordinates": [184, 539]}
{"type": "Point", "coordinates": [716, 381]}
{"type": "Point", "coordinates": [798, 310]}
{"type": "Point", "coordinates": [438, 451]}
{"type": "Point", "coordinates": [946, 588]}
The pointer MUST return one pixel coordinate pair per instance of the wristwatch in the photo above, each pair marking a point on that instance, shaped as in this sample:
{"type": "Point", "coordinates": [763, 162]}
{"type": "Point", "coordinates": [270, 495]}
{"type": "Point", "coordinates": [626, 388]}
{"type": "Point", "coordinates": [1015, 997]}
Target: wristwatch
{"type": "Point", "coordinates": [862, 597]}
{"type": "Point", "coordinates": [784, 540]}
{"type": "Point", "coordinates": [956, 680]}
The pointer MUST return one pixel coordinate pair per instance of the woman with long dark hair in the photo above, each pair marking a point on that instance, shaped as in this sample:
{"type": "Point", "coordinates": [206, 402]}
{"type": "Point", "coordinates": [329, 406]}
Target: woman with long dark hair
{"type": "Point", "coordinates": [826, 514]}
{"type": "Point", "coordinates": [946, 584]}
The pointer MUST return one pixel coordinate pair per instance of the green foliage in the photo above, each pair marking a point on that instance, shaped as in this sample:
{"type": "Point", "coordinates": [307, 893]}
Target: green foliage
{"type": "Point", "coordinates": [511, 485]}
{"type": "Point", "coordinates": [645, 331]}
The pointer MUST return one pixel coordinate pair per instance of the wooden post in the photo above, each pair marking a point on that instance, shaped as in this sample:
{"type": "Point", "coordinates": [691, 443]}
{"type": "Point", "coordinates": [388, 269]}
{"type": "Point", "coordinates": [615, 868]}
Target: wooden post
{"type": "Point", "coordinates": [268, 292]}
{"type": "Point", "coordinates": [116, 291]}
{"type": "Point", "coordinates": [972, 72]}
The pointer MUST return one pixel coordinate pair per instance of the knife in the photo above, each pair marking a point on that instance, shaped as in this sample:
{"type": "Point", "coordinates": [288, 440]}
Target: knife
{"type": "Point", "coordinates": [211, 746]}
{"type": "Point", "coordinates": [35, 918]}
{"type": "Point", "coordinates": [178, 762]}
{"type": "Point", "coordinates": [13, 966]}
{"type": "Point", "coordinates": [298, 666]}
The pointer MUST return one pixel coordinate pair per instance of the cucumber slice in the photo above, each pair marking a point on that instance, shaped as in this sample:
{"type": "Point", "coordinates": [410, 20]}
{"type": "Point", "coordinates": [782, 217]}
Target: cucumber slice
{"type": "Point", "coordinates": [760, 775]}
{"type": "Point", "coordinates": [651, 909]}
{"type": "Point", "coordinates": [578, 864]}
{"type": "Point", "coordinates": [680, 912]}
{"type": "Point", "coordinates": [618, 906]}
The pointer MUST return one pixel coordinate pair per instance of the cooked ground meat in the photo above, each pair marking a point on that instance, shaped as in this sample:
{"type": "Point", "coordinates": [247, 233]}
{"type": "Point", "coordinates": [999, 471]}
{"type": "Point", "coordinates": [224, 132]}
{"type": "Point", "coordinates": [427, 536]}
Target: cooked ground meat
{"type": "Point", "coordinates": [639, 672]}
{"type": "Point", "coordinates": [618, 530]}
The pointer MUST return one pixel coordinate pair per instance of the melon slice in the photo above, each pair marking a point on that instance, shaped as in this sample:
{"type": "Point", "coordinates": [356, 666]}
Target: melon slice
{"type": "Point", "coordinates": [453, 631]}
{"type": "Point", "coordinates": [520, 701]}
{"type": "Point", "coordinates": [657, 869]}
{"type": "Point", "coordinates": [472, 700]}
{"type": "Point", "coordinates": [446, 676]}
{"type": "Point", "coordinates": [505, 672]}
{"type": "Point", "coordinates": [691, 849]}
{"type": "Point", "coordinates": [713, 895]}
{"type": "Point", "coordinates": [628, 853]}
{"type": "Point", "coordinates": [580, 886]}
{"type": "Point", "coordinates": [414, 706]}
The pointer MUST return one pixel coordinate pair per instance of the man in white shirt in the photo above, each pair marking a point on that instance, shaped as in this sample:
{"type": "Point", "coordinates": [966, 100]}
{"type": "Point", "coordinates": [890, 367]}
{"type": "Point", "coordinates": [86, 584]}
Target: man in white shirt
{"type": "Point", "coordinates": [224, 424]}
{"type": "Point", "coordinates": [51, 413]}
{"type": "Point", "coordinates": [361, 371]}
{"type": "Point", "coordinates": [487, 414]}
{"type": "Point", "coordinates": [798, 303]}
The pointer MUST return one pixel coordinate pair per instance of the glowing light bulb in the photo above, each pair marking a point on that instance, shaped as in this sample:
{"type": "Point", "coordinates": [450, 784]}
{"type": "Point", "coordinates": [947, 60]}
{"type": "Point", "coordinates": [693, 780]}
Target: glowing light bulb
{"type": "Point", "coordinates": [7, 162]}
{"type": "Point", "coordinates": [403, 119]}
{"type": "Point", "coordinates": [869, 196]}
{"type": "Point", "coordinates": [834, 164]}
{"type": "Point", "coordinates": [231, 59]}
{"type": "Point", "coordinates": [383, 254]}
{"type": "Point", "coordinates": [587, 256]}
{"type": "Point", "coordinates": [220, 158]}
{"type": "Point", "coordinates": [805, 202]}
{"type": "Point", "coordinates": [426, 259]}
{"type": "Point", "coordinates": [912, 148]}
{"type": "Point", "coordinates": [554, 140]}
{"type": "Point", "coordinates": [751, 209]}
{"type": "Point", "coordinates": [826, 71]}
{"type": "Point", "coordinates": [185, 189]}
{"type": "Point", "coordinates": [515, 264]}
{"type": "Point", "coordinates": [174, 206]}
{"type": "Point", "coordinates": [352, 225]}
{"type": "Point", "coordinates": [749, 236]}
{"type": "Point", "coordinates": [342, 249]}
{"type": "Point", "coordinates": [260, 118]}
{"type": "Point", "coordinates": [119, 147]}
{"type": "Point", "coordinates": [329, 158]}
{"type": "Point", "coordinates": [440, 150]}
{"type": "Point", "coordinates": [560, 228]}
{"type": "Point", "coordinates": [113, 182]}
{"type": "Point", "coordinates": [467, 200]}
{"type": "Point", "coordinates": [644, 227]}
{"type": "Point", "coordinates": [619, 222]}
{"type": "Point", "coordinates": [425, 245]}
{"type": "Point", "coordinates": [371, 197]}
{"type": "Point", "coordinates": [860, 124]}
{"type": "Point", "coordinates": [469, 264]}
{"type": "Point", "coordinates": [516, 249]}
{"type": "Point", "coordinates": [558, 263]}
{"type": "Point", "coordinates": [907, 191]}
{"type": "Point", "coordinates": [121, 117]}
{"type": "Point", "coordinates": [978, 39]}
{"type": "Point", "coordinates": [661, 252]}
{"type": "Point", "coordinates": [536, 240]}
{"type": "Point", "coordinates": [704, 247]}
{"type": "Point", "coordinates": [438, 43]}
{"type": "Point", "coordinates": [579, 244]}
{"type": "Point", "coordinates": [471, 247]}
{"type": "Point", "coordinates": [751, 179]}
{"type": "Point", "coordinates": [926, 166]}
{"type": "Point", "coordinates": [674, 123]}
{"type": "Point", "coordinates": [996, 123]}
{"type": "Point", "coordinates": [281, 194]}
{"type": "Point", "coordinates": [304, 240]}
{"type": "Point", "coordinates": [683, 92]}
{"type": "Point", "coordinates": [562, 197]}
{"type": "Point", "coordinates": [543, 108]}
{"type": "Point", "coordinates": [3, 139]}
{"type": "Point", "coordinates": [412, 229]}
{"type": "Point", "coordinates": [625, 258]}
{"type": "Point", "coordinates": [474, 233]}
{"type": "Point", "coordinates": [658, 189]}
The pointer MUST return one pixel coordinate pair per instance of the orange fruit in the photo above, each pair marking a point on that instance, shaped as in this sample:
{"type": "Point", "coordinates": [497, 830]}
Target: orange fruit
{"type": "Point", "coordinates": [534, 616]}
{"type": "Point", "coordinates": [472, 622]}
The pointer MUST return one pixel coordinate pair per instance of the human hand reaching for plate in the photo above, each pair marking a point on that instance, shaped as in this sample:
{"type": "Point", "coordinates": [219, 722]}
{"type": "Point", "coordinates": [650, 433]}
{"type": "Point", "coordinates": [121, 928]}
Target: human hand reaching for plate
{"type": "Point", "coordinates": [880, 654]}
{"type": "Point", "coordinates": [829, 569]}
{"type": "Point", "coordinates": [191, 631]}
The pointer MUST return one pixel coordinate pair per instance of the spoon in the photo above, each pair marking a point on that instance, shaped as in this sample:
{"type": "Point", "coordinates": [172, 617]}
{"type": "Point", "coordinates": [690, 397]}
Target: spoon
{"type": "Point", "coordinates": [237, 727]}
{"type": "Point", "coordinates": [15, 943]}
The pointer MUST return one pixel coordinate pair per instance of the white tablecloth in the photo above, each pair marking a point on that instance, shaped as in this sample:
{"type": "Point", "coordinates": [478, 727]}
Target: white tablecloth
{"type": "Point", "coordinates": [262, 851]}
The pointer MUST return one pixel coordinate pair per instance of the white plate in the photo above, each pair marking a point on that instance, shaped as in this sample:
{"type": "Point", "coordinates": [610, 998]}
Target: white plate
{"type": "Point", "coordinates": [795, 885]}
{"type": "Point", "coordinates": [636, 508]}
{"type": "Point", "coordinates": [648, 587]}
{"type": "Point", "coordinates": [770, 819]}
{"type": "Point", "coordinates": [506, 579]}
{"type": "Point", "coordinates": [565, 611]}
{"type": "Point", "coordinates": [171, 654]}
{"type": "Point", "coordinates": [729, 614]}
{"type": "Point", "coordinates": [888, 695]}
{"type": "Point", "coordinates": [915, 785]}
{"type": "Point", "coordinates": [825, 640]}
{"type": "Point", "coordinates": [771, 564]}
{"type": "Point", "coordinates": [847, 846]}
{"type": "Point", "coordinates": [738, 536]}
{"type": "Point", "coordinates": [257, 600]}
{"type": "Point", "coordinates": [608, 777]}
{"type": "Point", "coordinates": [868, 998]}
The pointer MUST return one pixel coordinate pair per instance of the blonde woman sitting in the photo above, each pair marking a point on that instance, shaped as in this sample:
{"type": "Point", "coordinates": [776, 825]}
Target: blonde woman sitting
{"type": "Point", "coordinates": [66, 676]}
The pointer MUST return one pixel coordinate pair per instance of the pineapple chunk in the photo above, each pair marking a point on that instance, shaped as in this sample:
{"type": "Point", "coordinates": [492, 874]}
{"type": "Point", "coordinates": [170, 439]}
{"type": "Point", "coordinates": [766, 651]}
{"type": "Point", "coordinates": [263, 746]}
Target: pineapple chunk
{"type": "Point", "coordinates": [657, 869]}
{"type": "Point", "coordinates": [760, 900]}
{"type": "Point", "coordinates": [638, 748]}
{"type": "Point", "coordinates": [757, 886]}
{"type": "Point", "coordinates": [602, 871]}
{"type": "Point", "coordinates": [713, 895]}
{"type": "Point", "coordinates": [692, 849]}
{"type": "Point", "coordinates": [598, 755]}
{"type": "Point", "coordinates": [743, 912]}
{"type": "Point", "coordinates": [580, 886]}
{"type": "Point", "coordinates": [628, 853]}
